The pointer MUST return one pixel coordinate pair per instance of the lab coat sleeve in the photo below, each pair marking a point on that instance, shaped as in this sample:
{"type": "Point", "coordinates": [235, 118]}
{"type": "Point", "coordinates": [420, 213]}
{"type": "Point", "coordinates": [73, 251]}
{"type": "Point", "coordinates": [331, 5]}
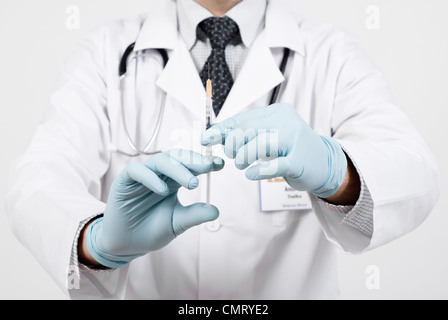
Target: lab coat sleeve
{"type": "Point", "coordinates": [57, 184]}
{"type": "Point", "coordinates": [393, 160]}
{"type": "Point", "coordinates": [359, 216]}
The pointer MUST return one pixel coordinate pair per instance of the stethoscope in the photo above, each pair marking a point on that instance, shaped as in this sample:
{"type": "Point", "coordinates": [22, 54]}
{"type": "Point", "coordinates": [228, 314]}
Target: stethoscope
{"type": "Point", "coordinates": [163, 53]}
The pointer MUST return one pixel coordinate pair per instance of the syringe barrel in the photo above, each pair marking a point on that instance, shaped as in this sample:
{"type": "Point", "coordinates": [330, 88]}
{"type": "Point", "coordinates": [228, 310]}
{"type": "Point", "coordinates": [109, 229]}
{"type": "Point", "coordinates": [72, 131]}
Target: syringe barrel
{"type": "Point", "coordinates": [208, 113]}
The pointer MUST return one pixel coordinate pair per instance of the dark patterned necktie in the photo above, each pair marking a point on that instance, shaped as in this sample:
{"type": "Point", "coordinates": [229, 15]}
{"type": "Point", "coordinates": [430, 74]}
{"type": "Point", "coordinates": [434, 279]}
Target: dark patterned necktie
{"type": "Point", "coordinates": [221, 32]}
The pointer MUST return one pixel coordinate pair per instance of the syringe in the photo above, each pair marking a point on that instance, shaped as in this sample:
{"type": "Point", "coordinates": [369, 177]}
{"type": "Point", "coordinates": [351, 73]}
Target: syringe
{"type": "Point", "coordinates": [208, 124]}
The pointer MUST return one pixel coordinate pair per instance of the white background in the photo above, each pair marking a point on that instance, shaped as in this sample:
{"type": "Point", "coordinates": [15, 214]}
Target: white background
{"type": "Point", "coordinates": [411, 47]}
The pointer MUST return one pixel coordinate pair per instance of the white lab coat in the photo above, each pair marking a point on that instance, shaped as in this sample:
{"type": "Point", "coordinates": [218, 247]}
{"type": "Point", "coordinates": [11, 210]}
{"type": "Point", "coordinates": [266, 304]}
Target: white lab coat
{"type": "Point", "coordinates": [65, 175]}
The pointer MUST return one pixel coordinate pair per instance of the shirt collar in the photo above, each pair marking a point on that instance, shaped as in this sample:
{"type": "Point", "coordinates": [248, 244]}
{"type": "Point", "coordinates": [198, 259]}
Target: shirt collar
{"type": "Point", "coordinates": [248, 14]}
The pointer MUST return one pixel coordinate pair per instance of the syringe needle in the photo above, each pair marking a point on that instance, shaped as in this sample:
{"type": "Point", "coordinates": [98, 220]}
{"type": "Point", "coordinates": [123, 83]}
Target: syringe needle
{"type": "Point", "coordinates": [208, 116]}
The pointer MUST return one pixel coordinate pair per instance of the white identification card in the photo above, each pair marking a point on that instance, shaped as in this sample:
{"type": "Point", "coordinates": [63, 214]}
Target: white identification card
{"type": "Point", "coordinates": [277, 195]}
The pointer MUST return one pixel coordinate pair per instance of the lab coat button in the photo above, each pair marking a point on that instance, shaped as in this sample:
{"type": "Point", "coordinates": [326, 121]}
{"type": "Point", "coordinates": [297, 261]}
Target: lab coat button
{"type": "Point", "coordinates": [213, 226]}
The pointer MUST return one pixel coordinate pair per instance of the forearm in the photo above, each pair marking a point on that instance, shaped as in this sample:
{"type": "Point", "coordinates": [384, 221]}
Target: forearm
{"type": "Point", "coordinates": [350, 189]}
{"type": "Point", "coordinates": [84, 256]}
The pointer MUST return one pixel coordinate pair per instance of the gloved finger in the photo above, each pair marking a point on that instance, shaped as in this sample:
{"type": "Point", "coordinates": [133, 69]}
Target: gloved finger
{"type": "Point", "coordinates": [218, 133]}
{"type": "Point", "coordinates": [238, 138]}
{"type": "Point", "coordinates": [279, 167]}
{"type": "Point", "coordinates": [196, 162]}
{"type": "Point", "coordinates": [185, 218]}
{"type": "Point", "coordinates": [163, 164]}
{"type": "Point", "coordinates": [264, 147]}
{"type": "Point", "coordinates": [218, 163]}
{"type": "Point", "coordinates": [137, 172]}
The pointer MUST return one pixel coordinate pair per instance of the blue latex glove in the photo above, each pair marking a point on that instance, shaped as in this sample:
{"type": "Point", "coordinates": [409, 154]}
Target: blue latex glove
{"type": "Point", "coordinates": [288, 147]}
{"type": "Point", "coordinates": [143, 212]}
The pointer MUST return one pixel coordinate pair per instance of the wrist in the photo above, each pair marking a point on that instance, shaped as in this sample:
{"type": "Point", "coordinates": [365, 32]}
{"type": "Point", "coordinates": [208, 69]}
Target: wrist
{"type": "Point", "coordinates": [349, 192]}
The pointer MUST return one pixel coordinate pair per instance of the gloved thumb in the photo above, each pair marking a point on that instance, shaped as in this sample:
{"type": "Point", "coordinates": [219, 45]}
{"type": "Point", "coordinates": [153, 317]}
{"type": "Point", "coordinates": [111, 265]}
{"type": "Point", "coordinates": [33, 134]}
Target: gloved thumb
{"type": "Point", "coordinates": [185, 218]}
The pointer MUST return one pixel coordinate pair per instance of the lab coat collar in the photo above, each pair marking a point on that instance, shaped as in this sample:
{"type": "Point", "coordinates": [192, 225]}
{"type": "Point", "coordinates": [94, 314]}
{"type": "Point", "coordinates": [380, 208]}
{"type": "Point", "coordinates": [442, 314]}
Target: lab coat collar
{"type": "Point", "coordinates": [159, 30]}
{"type": "Point", "coordinates": [180, 78]}
{"type": "Point", "coordinates": [279, 19]}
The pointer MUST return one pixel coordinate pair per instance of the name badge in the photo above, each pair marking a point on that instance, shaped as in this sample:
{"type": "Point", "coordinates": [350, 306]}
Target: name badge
{"type": "Point", "coordinates": [277, 195]}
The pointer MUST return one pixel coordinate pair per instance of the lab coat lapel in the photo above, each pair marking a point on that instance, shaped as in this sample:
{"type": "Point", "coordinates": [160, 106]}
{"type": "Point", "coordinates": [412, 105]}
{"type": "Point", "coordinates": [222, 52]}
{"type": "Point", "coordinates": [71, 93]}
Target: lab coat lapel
{"type": "Point", "coordinates": [180, 80]}
{"type": "Point", "coordinates": [259, 75]}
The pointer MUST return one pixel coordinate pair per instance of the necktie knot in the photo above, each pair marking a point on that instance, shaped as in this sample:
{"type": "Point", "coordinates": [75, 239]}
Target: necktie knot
{"type": "Point", "coordinates": [221, 32]}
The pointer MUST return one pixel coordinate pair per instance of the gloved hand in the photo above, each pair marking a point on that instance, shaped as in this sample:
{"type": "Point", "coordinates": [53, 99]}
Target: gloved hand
{"type": "Point", "coordinates": [288, 146]}
{"type": "Point", "coordinates": [143, 212]}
